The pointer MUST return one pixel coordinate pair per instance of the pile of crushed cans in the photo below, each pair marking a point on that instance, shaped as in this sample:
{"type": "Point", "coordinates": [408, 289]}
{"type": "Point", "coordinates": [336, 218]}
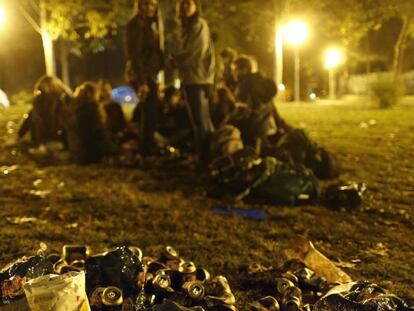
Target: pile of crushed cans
{"type": "Point", "coordinates": [123, 279]}
{"type": "Point", "coordinates": [297, 288]}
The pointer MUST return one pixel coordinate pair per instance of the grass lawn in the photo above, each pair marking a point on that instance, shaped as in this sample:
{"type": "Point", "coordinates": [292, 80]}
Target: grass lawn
{"type": "Point", "coordinates": [103, 206]}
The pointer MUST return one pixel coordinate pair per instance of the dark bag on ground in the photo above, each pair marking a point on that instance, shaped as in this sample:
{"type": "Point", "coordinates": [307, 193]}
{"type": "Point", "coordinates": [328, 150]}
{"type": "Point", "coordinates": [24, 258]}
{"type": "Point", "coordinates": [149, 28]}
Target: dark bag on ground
{"type": "Point", "coordinates": [286, 184]}
{"type": "Point", "coordinates": [268, 180]}
{"type": "Point", "coordinates": [296, 147]}
{"type": "Point", "coordinates": [349, 195]}
{"type": "Point", "coordinates": [118, 268]}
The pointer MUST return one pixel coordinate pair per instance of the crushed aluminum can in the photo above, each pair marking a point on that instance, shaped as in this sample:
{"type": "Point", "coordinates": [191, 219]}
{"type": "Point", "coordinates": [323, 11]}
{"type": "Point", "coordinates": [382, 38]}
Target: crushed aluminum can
{"type": "Point", "coordinates": [57, 266]}
{"type": "Point", "coordinates": [267, 303]}
{"type": "Point", "coordinates": [282, 285]}
{"type": "Point", "coordinates": [290, 276]}
{"type": "Point", "coordinates": [95, 298]}
{"type": "Point", "coordinates": [292, 299]}
{"type": "Point", "coordinates": [71, 253]}
{"type": "Point", "coordinates": [53, 258]}
{"type": "Point", "coordinates": [187, 267]}
{"type": "Point", "coordinates": [202, 274]}
{"type": "Point", "coordinates": [136, 251]}
{"type": "Point", "coordinates": [195, 290]}
{"type": "Point", "coordinates": [309, 280]}
{"type": "Point", "coordinates": [112, 296]}
{"type": "Point", "coordinates": [170, 253]}
{"type": "Point", "coordinates": [188, 271]}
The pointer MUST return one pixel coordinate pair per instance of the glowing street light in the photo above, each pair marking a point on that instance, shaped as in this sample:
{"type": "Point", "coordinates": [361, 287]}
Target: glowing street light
{"type": "Point", "coordinates": [333, 58]}
{"type": "Point", "coordinates": [296, 32]}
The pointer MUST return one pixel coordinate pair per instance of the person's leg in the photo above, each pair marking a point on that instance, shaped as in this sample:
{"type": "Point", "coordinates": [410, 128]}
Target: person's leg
{"type": "Point", "coordinates": [198, 107]}
{"type": "Point", "coordinates": [149, 120]}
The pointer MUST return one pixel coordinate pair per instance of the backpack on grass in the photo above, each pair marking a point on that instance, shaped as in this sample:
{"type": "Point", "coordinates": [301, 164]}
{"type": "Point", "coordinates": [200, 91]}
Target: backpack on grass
{"type": "Point", "coordinates": [296, 146]}
{"type": "Point", "coordinates": [269, 180]}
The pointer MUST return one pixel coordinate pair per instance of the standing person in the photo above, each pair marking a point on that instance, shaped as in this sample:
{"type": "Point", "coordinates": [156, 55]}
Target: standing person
{"type": "Point", "coordinates": [145, 61]}
{"type": "Point", "coordinates": [196, 63]}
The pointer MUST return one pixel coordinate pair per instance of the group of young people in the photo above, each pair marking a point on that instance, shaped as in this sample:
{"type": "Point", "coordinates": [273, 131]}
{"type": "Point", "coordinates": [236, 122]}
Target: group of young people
{"type": "Point", "coordinates": [212, 102]}
{"type": "Point", "coordinates": [90, 125]}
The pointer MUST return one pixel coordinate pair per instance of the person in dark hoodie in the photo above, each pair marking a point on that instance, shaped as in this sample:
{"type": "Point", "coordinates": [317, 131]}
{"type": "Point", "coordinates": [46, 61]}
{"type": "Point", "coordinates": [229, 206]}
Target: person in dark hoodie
{"type": "Point", "coordinates": [195, 60]}
{"type": "Point", "coordinates": [145, 61]}
{"type": "Point", "coordinates": [257, 92]}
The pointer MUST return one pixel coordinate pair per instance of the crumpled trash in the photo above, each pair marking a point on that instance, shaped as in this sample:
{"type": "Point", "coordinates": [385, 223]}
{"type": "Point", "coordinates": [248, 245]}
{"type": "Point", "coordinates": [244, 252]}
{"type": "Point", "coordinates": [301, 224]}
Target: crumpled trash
{"type": "Point", "coordinates": [348, 195]}
{"type": "Point", "coordinates": [57, 293]}
{"type": "Point", "coordinates": [360, 296]}
{"type": "Point", "coordinates": [298, 288]}
{"type": "Point", "coordinates": [304, 250]}
{"type": "Point", "coordinates": [16, 274]}
{"type": "Point", "coordinates": [124, 280]}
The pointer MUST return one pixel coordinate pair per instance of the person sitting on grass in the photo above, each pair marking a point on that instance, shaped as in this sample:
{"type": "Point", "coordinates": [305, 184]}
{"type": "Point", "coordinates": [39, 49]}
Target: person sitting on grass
{"type": "Point", "coordinates": [175, 124]}
{"type": "Point", "coordinates": [45, 120]}
{"type": "Point", "coordinates": [257, 92]}
{"type": "Point", "coordinates": [114, 118]}
{"type": "Point", "coordinates": [87, 137]}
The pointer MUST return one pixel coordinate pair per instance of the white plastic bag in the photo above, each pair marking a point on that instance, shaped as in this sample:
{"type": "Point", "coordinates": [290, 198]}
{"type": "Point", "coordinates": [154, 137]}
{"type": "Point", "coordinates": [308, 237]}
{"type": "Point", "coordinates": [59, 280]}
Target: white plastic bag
{"type": "Point", "coordinates": [57, 293]}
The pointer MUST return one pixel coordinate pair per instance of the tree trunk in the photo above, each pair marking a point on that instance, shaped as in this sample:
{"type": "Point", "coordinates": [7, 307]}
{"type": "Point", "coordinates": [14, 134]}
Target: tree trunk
{"type": "Point", "coordinates": [399, 48]}
{"type": "Point", "coordinates": [368, 55]}
{"type": "Point", "coordinates": [64, 61]}
{"type": "Point", "coordinates": [47, 43]}
{"type": "Point", "coordinates": [49, 53]}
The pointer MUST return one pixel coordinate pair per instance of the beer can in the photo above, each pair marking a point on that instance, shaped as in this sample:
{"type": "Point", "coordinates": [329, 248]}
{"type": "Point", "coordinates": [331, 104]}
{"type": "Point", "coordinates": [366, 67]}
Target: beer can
{"type": "Point", "coordinates": [112, 296]}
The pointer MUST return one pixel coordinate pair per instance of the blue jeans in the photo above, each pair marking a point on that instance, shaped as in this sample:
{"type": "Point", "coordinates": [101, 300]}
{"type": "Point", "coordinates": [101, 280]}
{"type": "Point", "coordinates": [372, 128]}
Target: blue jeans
{"type": "Point", "coordinates": [199, 113]}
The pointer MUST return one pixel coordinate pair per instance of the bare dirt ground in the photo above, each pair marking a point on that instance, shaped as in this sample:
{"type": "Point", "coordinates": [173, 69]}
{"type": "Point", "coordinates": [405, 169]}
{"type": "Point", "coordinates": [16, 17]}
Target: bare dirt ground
{"type": "Point", "coordinates": [103, 206]}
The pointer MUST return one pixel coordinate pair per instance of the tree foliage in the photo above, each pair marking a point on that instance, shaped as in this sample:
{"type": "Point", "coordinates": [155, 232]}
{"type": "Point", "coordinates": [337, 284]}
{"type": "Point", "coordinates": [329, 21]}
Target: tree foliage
{"type": "Point", "coordinates": [78, 19]}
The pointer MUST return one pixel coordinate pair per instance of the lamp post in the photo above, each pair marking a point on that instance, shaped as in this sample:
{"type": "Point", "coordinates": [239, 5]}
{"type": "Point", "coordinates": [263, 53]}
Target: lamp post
{"type": "Point", "coordinates": [333, 58]}
{"type": "Point", "coordinates": [278, 70]}
{"type": "Point", "coordinates": [296, 33]}
{"type": "Point", "coordinates": [2, 17]}
{"type": "Point", "coordinates": [2, 24]}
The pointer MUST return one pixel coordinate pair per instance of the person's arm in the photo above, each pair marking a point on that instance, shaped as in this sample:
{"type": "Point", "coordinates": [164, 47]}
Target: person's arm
{"type": "Point", "coordinates": [195, 46]}
{"type": "Point", "coordinates": [25, 126]}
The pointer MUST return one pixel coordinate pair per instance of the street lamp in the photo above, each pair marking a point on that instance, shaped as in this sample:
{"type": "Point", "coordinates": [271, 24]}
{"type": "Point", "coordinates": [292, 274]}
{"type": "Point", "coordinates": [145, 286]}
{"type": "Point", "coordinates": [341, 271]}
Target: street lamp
{"type": "Point", "coordinates": [333, 58]}
{"type": "Point", "coordinates": [296, 33]}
